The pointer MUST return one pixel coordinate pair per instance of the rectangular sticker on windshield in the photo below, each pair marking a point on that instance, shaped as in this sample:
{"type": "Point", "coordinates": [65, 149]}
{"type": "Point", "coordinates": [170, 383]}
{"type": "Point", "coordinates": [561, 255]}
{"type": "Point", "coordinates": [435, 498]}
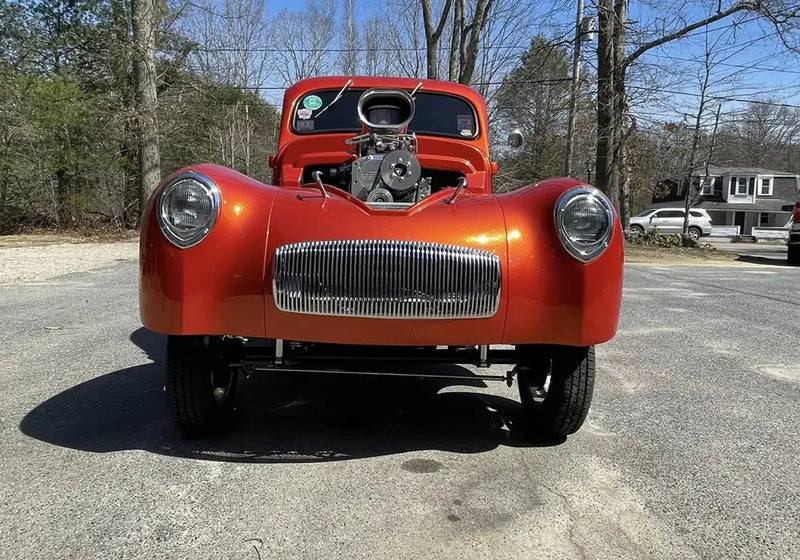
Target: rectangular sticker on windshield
{"type": "Point", "coordinates": [464, 125]}
{"type": "Point", "coordinates": [304, 125]}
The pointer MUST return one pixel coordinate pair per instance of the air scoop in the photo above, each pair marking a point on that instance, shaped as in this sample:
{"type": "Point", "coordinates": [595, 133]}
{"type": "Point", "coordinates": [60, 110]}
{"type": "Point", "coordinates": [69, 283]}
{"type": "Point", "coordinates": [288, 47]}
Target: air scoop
{"type": "Point", "coordinates": [386, 110]}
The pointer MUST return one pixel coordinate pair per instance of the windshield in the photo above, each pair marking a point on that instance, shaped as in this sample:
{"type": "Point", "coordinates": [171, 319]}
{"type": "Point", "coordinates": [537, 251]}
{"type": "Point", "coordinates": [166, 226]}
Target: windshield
{"type": "Point", "coordinates": [645, 213]}
{"type": "Point", "coordinates": [437, 114]}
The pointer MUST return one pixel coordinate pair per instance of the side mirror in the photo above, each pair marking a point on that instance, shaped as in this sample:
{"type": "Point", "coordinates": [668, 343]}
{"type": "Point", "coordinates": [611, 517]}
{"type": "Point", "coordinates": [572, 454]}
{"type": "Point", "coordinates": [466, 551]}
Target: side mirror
{"type": "Point", "coordinates": [516, 139]}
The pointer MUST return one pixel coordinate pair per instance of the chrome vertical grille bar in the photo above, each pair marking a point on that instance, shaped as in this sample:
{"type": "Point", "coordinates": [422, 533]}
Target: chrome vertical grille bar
{"type": "Point", "coordinates": [386, 279]}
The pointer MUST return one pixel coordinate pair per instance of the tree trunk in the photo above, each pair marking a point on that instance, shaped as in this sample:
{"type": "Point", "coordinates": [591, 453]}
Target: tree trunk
{"type": "Point", "coordinates": [621, 112]}
{"type": "Point", "coordinates": [432, 36]}
{"type": "Point", "coordinates": [456, 41]}
{"type": "Point", "coordinates": [124, 83]}
{"type": "Point", "coordinates": [472, 32]}
{"type": "Point", "coordinates": [247, 139]}
{"type": "Point", "coordinates": [144, 20]}
{"type": "Point", "coordinates": [606, 114]}
{"type": "Point", "coordinates": [62, 197]}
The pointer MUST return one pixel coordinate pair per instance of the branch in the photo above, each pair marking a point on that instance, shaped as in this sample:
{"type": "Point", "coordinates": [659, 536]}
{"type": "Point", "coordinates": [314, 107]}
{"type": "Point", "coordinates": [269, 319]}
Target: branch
{"type": "Point", "coordinates": [737, 7]}
{"type": "Point", "coordinates": [442, 21]}
{"type": "Point", "coordinates": [430, 34]}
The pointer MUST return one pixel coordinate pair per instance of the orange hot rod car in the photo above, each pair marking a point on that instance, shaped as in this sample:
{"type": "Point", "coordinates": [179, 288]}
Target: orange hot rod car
{"type": "Point", "coordinates": [379, 243]}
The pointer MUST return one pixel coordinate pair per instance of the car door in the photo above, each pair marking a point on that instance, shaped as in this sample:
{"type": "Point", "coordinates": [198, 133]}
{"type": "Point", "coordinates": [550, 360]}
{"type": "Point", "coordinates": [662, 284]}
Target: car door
{"type": "Point", "coordinates": [670, 221]}
{"type": "Point", "coordinates": [659, 221]}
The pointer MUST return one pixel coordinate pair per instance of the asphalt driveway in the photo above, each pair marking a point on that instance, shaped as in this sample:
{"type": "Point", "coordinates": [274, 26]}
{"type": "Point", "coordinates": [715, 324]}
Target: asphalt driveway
{"type": "Point", "coordinates": [691, 449]}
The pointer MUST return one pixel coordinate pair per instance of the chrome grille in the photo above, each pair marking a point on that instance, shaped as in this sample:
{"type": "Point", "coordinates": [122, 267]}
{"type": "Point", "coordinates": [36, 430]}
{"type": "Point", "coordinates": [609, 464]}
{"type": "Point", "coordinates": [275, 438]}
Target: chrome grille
{"type": "Point", "coordinates": [386, 279]}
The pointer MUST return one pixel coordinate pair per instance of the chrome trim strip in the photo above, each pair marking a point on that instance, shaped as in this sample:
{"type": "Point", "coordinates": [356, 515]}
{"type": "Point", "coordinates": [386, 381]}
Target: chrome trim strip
{"type": "Point", "coordinates": [386, 279]}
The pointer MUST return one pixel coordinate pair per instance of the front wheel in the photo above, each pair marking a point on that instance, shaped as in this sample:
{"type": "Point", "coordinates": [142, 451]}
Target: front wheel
{"type": "Point", "coordinates": [695, 233]}
{"type": "Point", "coordinates": [637, 231]}
{"type": "Point", "coordinates": [555, 386]}
{"type": "Point", "coordinates": [198, 383]}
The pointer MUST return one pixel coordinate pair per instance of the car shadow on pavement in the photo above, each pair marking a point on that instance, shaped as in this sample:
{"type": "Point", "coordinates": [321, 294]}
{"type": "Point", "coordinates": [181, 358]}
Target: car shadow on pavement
{"type": "Point", "coordinates": [283, 418]}
{"type": "Point", "coordinates": [763, 260]}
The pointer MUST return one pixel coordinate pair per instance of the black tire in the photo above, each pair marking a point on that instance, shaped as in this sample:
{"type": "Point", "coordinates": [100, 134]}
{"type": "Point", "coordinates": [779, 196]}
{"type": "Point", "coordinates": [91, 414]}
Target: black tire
{"type": "Point", "coordinates": [637, 231]}
{"type": "Point", "coordinates": [695, 233]}
{"type": "Point", "coordinates": [562, 409]}
{"type": "Point", "coordinates": [793, 255]}
{"type": "Point", "coordinates": [199, 386]}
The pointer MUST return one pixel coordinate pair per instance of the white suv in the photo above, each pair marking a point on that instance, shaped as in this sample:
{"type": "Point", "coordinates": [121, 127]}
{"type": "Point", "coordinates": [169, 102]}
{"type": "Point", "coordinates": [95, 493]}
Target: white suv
{"type": "Point", "coordinates": [670, 220]}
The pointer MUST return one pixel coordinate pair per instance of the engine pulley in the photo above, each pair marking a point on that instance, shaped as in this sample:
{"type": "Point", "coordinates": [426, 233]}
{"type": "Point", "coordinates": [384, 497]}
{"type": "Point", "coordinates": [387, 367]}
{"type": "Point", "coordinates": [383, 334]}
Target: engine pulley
{"type": "Point", "coordinates": [380, 195]}
{"type": "Point", "coordinates": [400, 170]}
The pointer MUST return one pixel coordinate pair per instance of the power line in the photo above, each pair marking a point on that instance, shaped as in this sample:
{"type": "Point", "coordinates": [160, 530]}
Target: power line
{"type": "Point", "coordinates": [753, 66]}
{"type": "Point", "coordinates": [716, 97]}
{"type": "Point", "coordinates": [325, 50]}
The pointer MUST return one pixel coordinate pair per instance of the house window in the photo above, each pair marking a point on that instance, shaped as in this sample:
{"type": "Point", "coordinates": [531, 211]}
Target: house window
{"type": "Point", "coordinates": [764, 219]}
{"type": "Point", "coordinates": [765, 186]}
{"type": "Point", "coordinates": [707, 186]}
{"type": "Point", "coordinates": [741, 186]}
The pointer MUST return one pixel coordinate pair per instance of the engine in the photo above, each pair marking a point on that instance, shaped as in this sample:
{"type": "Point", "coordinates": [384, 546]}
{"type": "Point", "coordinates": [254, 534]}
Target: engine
{"type": "Point", "coordinates": [386, 169]}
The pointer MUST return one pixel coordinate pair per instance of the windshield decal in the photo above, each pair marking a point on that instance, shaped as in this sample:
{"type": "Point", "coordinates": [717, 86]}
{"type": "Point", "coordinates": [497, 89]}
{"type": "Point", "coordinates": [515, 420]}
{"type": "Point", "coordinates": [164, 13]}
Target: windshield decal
{"type": "Point", "coordinates": [304, 125]}
{"type": "Point", "coordinates": [464, 124]}
{"type": "Point", "coordinates": [312, 102]}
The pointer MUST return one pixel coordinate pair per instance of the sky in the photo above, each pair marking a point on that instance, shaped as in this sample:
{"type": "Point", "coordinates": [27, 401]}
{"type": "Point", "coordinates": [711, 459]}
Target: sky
{"type": "Point", "coordinates": [749, 63]}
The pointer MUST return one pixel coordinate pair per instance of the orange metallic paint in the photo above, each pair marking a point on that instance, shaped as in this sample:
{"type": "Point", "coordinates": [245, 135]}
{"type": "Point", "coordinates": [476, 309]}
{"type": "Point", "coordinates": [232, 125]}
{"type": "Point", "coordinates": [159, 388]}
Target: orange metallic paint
{"type": "Point", "coordinates": [223, 285]}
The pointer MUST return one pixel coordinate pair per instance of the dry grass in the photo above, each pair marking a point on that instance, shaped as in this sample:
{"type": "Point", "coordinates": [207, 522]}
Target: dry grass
{"type": "Point", "coordinates": [690, 255]}
{"type": "Point", "coordinates": [48, 237]}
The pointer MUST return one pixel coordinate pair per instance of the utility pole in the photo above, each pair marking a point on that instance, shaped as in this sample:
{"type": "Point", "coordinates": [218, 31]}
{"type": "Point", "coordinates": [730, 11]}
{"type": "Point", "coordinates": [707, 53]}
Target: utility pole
{"type": "Point", "coordinates": [573, 92]}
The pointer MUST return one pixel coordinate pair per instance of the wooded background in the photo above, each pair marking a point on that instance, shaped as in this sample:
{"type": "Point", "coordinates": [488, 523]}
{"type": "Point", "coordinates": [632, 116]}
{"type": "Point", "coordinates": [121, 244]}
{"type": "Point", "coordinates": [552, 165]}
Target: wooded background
{"type": "Point", "coordinates": [101, 98]}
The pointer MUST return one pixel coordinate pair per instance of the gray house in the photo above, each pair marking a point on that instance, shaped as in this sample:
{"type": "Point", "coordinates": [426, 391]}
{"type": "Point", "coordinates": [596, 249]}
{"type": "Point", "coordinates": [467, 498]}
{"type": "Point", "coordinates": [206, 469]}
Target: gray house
{"type": "Point", "coordinates": [747, 197]}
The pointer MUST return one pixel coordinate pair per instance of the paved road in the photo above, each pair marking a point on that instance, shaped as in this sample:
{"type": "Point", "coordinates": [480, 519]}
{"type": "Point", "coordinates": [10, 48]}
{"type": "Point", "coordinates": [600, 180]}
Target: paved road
{"type": "Point", "coordinates": [691, 449]}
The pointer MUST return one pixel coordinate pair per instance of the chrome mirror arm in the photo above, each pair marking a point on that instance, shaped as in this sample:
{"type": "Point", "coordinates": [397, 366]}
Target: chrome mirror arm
{"type": "Point", "coordinates": [462, 182]}
{"type": "Point", "coordinates": [317, 176]}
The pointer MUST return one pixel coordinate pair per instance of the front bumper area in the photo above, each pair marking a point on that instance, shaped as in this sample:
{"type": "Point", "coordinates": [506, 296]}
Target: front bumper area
{"type": "Point", "coordinates": [225, 285]}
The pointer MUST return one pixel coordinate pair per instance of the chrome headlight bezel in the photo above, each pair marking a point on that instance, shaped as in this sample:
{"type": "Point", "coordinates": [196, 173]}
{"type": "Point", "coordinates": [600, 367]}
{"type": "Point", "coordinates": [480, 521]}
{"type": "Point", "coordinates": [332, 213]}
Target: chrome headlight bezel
{"type": "Point", "coordinates": [187, 238]}
{"type": "Point", "coordinates": [582, 251]}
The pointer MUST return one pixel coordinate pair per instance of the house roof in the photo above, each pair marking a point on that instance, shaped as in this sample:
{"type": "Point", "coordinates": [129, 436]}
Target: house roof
{"type": "Point", "coordinates": [719, 170]}
{"type": "Point", "coordinates": [761, 205]}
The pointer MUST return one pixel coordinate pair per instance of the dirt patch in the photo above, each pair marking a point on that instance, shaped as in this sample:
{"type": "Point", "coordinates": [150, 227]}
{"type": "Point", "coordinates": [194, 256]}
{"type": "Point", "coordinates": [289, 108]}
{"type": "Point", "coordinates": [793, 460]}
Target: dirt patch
{"type": "Point", "coordinates": [676, 255]}
{"type": "Point", "coordinates": [50, 238]}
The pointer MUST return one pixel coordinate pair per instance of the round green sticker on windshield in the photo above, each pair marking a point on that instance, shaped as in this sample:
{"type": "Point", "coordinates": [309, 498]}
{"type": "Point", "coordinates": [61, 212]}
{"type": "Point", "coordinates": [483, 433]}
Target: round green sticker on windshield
{"type": "Point", "coordinates": [312, 102]}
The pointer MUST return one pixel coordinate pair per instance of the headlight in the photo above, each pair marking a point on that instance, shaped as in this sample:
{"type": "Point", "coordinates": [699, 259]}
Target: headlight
{"type": "Point", "coordinates": [188, 208]}
{"type": "Point", "coordinates": [585, 222]}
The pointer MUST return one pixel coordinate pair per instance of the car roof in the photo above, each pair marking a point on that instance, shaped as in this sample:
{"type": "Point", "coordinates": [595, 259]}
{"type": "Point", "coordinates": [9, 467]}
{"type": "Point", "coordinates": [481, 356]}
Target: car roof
{"type": "Point", "coordinates": [366, 82]}
{"type": "Point", "coordinates": [701, 210]}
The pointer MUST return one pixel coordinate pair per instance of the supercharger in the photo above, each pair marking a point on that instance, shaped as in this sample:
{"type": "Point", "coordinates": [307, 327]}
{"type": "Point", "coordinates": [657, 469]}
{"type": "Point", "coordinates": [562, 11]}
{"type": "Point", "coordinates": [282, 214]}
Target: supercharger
{"type": "Point", "coordinates": [387, 169]}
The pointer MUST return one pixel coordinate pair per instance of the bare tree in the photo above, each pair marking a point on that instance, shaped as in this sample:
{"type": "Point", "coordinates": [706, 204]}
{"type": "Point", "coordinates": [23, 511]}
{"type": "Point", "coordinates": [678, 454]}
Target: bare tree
{"type": "Point", "coordinates": [231, 42]}
{"type": "Point", "coordinates": [231, 38]}
{"type": "Point", "coordinates": [433, 32]}
{"type": "Point", "coordinates": [705, 83]}
{"type": "Point", "coordinates": [471, 38]}
{"type": "Point", "coordinates": [614, 61]}
{"type": "Point", "coordinates": [397, 40]}
{"type": "Point", "coordinates": [144, 22]}
{"type": "Point", "coordinates": [302, 40]}
{"type": "Point", "coordinates": [348, 61]}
